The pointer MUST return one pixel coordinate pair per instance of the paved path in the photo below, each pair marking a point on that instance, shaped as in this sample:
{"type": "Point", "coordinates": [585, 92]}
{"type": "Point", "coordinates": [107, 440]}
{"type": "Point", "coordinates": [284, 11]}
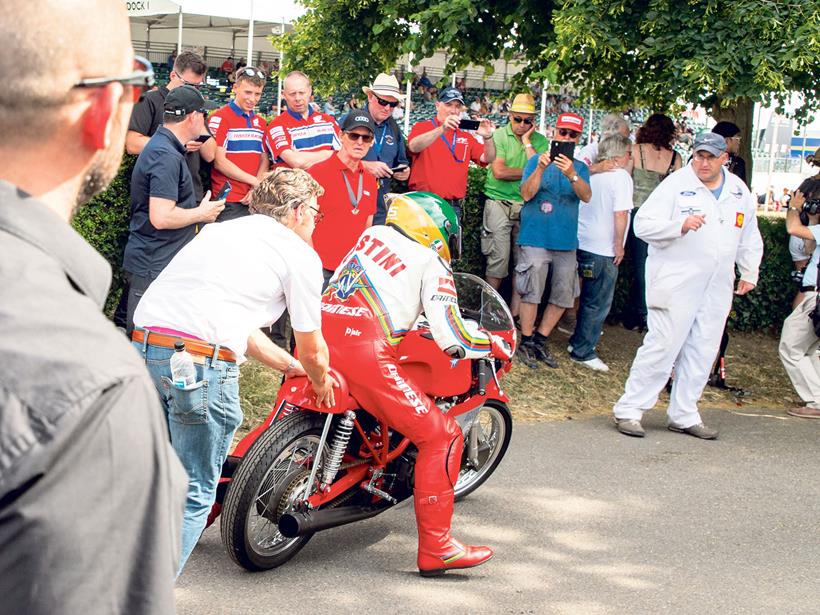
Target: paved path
{"type": "Point", "coordinates": [583, 521]}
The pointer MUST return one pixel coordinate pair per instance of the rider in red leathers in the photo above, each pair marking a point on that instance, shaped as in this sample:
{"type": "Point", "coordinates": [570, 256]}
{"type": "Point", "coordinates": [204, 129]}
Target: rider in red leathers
{"type": "Point", "coordinates": [375, 296]}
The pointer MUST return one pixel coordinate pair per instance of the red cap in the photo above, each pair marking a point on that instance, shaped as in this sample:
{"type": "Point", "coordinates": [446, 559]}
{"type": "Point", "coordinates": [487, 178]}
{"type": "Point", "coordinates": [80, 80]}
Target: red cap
{"type": "Point", "coordinates": [570, 121]}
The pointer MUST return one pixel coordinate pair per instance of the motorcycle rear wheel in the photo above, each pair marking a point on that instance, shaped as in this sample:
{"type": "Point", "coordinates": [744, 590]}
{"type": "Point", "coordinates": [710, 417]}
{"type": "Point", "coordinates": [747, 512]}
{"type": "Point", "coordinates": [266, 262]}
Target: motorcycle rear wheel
{"type": "Point", "coordinates": [271, 476]}
{"type": "Point", "coordinates": [494, 425]}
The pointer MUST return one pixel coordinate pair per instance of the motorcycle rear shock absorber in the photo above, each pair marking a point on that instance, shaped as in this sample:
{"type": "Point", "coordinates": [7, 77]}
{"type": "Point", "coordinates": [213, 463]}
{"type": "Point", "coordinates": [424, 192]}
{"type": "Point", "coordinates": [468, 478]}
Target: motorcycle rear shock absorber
{"type": "Point", "coordinates": [337, 448]}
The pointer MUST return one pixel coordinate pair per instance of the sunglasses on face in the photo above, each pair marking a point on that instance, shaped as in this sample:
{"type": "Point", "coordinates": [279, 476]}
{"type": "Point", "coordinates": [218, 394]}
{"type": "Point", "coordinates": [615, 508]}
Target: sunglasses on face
{"type": "Point", "coordinates": [317, 215]}
{"type": "Point", "coordinates": [140, 80]}
{"type": "Point", "coordinates": [355, 136]}
{"type": "Point", "coordinates": [386, 103]}
{"type": "Point", "coordinates": [526, 120]}
{"type": "Point", "coordinates": [568, 133]}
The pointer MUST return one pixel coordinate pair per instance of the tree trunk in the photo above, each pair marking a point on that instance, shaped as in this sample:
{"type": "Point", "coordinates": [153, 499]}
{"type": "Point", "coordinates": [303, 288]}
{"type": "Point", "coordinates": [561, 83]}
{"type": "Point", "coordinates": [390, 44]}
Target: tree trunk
{"type": "Point", "coordinates": [741, 112]}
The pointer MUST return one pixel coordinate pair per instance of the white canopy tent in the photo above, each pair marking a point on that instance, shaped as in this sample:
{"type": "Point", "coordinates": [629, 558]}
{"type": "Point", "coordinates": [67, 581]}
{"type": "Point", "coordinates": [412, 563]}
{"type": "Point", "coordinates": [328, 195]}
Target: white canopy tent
{"type": "Point", "coordinates": [251, 18]}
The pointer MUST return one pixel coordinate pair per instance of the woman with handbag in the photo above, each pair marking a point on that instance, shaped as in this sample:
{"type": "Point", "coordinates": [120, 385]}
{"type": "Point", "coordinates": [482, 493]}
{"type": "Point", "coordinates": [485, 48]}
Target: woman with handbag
{"type": "Point", "coordinates": [654, 159]}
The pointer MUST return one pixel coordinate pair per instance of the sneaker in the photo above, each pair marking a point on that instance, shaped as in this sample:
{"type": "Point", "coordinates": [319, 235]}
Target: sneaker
{"type": "Point", "coordinates": [630, 427]}
{"type": "Point", "coordinates": [540, 352]}
{"type": "Point", "coordinates": [699, 431]}
{"type": "Point", "coordinates": [805, 412]}
{"type": "Point", "coordinates": [594, 363]}
{"type": "Point", "coordinates": [525, 355]}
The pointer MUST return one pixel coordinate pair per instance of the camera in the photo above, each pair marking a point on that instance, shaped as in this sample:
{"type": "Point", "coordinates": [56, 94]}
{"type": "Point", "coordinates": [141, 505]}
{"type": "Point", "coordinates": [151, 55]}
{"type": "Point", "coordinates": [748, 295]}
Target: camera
{"type": "Point", "coordinates": [811, 207]}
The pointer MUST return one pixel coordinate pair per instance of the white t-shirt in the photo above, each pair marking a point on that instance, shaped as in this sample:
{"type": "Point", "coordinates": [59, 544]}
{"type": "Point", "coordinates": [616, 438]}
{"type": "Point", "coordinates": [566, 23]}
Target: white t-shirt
{"type": "Point", "coordinates": [611, 192]}
{"type": "Point", "coordinates": [810, 272]}
{"type": "Point", "coordinates": [233, 278]}
{"type": "Point", "coordinates": [797, 248]}
{"type": "Point", "coordinates": [589, 153]}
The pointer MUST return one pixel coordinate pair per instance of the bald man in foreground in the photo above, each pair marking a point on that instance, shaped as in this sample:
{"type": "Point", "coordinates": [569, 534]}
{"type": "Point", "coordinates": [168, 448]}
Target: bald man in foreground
{"type": "Point", "coordinates": [91, 493]}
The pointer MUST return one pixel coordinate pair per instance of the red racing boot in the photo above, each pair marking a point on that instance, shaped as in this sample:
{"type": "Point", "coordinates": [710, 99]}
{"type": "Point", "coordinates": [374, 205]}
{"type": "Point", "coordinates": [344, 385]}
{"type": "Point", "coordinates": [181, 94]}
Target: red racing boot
{"type": "Point", "coordinates": [438, 551]}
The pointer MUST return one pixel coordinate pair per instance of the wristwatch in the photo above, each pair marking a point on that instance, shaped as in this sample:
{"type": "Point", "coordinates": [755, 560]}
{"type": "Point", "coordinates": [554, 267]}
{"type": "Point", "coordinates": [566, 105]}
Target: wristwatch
{"type": "Point", "coordinates": [292, 364]}
{"type": "Point", "coordinates": [573, 179]}
{"type": "Point", "coordinates": [528, 145]}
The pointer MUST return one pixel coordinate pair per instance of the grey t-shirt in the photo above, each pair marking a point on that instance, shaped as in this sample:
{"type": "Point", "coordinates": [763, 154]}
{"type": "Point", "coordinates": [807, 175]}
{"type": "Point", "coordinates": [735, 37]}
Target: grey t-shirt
{"type": "Point", "coordinates": [91, 493]}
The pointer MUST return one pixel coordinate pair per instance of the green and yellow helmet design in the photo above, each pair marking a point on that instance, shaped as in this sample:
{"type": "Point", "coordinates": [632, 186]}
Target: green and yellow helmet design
{"type": "Point", "coordinates": [429, 220]}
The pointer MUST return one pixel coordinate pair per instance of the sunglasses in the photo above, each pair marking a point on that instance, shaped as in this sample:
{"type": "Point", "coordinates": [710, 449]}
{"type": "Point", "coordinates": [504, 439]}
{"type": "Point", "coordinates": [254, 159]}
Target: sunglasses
{"type": "Point", "coordinates": [386, 103]}
{"type": "Point", "coordinates": [317, 215]}
{"type": "Point", "coordinates": [250, 71]}
{"type": "Point", "coordinates": [526, 120]}
{"type": "Point", "coordinates": [140, 80]}
{"type": "Point", "coordinates": [568, 133]}
{"type": "Point", "coordinates": [355, 136]}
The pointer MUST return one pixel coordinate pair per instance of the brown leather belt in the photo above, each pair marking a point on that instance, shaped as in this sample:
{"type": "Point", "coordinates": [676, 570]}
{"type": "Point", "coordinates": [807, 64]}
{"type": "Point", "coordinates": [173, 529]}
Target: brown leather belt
{"type": "Point", "coordinates": [197, 347]}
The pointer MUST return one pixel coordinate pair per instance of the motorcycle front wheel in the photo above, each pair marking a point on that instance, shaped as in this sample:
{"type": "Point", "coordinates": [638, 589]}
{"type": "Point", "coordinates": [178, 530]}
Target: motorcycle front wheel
{"type": "Point", "coordinates": [270, 480]}
{"type": "Point", "coordinates": [485, 444]}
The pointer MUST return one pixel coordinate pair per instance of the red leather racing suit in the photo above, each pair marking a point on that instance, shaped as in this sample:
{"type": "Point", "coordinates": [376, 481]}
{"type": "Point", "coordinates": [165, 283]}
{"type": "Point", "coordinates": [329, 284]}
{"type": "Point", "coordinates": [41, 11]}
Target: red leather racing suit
{"type": "Point", "coordinates": [373, 299]}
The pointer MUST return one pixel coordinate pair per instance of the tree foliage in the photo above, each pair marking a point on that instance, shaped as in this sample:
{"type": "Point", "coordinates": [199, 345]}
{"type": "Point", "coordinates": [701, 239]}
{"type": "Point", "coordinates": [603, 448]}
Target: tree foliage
{"type": "Point", "coordinates": [646, 52]}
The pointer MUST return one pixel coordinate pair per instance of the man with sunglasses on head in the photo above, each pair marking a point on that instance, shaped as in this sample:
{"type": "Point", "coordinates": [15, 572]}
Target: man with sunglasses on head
{"type": "Point", "coordinates": [552, 190]}
{"type": "Point", "coordinates": [441, 152]}
{"type": "Point", "coordinates": [515, 143]}
{"type": "Point", "coordinates": [216, 309]}
{"type": "Point", "coordinates": [349, 200]}
{"type": "Point", "coordinates": [300, 136]}
{"type": "Point", "coordinates": [388, 151]}
{"type": "Point", "coordinates": [91, 493]}
{"type": "Point", "coordinates": [164, 209]}
{"type": "Point", "coordinates": [241, 158]}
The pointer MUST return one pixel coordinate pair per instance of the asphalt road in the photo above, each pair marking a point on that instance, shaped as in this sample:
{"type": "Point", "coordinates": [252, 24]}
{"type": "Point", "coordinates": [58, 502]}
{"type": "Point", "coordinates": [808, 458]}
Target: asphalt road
{"type": "Point", "coordinates": [583, 521]}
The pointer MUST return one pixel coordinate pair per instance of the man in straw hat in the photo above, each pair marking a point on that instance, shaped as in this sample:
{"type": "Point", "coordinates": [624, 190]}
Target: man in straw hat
{"type": "Point", "coordinates": [388, 151]}
{"type": "Point", "coordinates": [514, 144]}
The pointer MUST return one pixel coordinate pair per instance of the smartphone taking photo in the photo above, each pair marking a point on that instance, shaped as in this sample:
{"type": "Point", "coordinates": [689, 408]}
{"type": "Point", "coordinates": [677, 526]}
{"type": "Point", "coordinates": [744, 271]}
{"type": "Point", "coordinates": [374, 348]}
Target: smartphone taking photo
{"type": "Point", "coordinates": [202, 138]}
{"type": "Point", "coordinates": [469, 125]}
{"type": "Point", "coordinates": [567, 148]}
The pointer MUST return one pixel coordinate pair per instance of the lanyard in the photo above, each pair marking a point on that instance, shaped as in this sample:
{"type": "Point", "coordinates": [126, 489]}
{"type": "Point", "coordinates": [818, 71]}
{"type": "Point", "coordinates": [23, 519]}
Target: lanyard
{"type": "Point", "coordinates": [450, 146]}
{"type": "Point", "coordinates": [377, 145]}
{"type": "Point", "coordinates": [354, 201]}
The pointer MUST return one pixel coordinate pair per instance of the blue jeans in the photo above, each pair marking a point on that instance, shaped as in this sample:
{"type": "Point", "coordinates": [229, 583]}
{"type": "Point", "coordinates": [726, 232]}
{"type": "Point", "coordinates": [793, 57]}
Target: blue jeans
{"type": "Point", "coordinates": [202, 420]}
{"type": "Point", "coordinates": [598, 276]}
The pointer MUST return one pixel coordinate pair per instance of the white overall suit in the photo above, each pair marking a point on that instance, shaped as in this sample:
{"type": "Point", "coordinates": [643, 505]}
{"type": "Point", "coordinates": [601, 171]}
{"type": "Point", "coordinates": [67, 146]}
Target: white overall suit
{"type": "Point", "coordinates": [689, 288]}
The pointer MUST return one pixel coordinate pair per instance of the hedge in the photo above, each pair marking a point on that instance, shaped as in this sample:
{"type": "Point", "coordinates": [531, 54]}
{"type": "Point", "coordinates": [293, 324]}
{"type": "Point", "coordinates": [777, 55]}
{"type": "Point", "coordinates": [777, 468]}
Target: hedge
{"type": "Point", "coordinates": [104, 223]}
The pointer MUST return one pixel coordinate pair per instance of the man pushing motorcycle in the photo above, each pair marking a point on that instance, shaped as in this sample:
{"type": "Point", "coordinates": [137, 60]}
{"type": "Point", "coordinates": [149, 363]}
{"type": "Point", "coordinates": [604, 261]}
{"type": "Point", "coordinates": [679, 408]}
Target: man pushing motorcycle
{"type": "Point", "coordinates": [384, 283]}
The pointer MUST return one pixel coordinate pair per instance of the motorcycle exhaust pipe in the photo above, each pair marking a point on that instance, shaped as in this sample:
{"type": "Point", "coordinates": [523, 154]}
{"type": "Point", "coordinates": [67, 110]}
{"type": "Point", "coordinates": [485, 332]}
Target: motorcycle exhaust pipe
{"type": "Point", "coordinates": [299, 523]}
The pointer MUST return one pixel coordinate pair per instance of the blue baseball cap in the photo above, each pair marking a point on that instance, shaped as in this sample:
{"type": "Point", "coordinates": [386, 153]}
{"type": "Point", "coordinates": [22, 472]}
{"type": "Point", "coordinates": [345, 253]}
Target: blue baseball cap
{"type": "Point", "coordinates": [449, 94]}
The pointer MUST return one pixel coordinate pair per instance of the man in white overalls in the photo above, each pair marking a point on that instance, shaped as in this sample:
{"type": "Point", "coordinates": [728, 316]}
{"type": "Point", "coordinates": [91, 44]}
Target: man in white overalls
{"type": "Point", "coordinates": [698, 223]}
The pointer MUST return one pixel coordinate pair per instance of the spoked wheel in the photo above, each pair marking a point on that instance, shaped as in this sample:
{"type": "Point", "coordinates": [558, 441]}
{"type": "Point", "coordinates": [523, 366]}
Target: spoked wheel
{"type": "Point", "coordinates": [268, 483]}
{"type": "Point", "coordinates": [485, 444]}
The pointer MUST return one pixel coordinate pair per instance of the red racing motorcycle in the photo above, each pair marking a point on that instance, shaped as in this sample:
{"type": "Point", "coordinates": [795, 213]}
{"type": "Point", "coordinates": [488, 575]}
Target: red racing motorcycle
{"type": "Point", "coordinates": [307, 469]}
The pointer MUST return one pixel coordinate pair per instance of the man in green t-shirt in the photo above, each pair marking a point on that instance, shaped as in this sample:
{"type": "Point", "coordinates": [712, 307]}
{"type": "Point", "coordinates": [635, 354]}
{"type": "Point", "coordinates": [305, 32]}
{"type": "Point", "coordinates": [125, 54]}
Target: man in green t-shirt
{"type": "Point", "coordinates": [515, 143]}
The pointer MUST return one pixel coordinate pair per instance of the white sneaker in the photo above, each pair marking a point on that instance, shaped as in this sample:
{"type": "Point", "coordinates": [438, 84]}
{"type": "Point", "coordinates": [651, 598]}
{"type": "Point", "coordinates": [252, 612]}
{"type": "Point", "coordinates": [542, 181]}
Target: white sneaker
{"type": "Point", "coordinates": [596, 364]}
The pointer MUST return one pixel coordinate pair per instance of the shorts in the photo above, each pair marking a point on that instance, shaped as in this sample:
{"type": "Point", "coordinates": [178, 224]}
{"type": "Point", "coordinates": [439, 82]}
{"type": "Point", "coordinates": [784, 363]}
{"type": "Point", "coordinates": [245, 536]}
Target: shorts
{"type": "Point", "coordinates": [498, 234]}
{"type": "Point", "coordinates": [533, 268]}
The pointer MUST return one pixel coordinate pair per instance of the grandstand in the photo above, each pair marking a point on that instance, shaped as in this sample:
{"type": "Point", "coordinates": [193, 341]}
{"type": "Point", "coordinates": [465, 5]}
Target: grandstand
{"type": "Point", "coordinates": [218, 87]}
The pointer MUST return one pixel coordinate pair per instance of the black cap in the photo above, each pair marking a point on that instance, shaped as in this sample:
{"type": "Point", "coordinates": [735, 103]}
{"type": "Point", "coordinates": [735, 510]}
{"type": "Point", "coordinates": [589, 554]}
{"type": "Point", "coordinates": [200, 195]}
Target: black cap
{"type": "Point", "coordinates": [186, 99]}
{"type": "Point", "coordinates": [358, 119]}
{"type": "Point", "coordinates": [726, 129]}
{"type": "Point", "coordinates": [450, 93]}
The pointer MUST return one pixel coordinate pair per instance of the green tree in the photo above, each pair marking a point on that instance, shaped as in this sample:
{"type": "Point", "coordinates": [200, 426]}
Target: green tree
{"type": "Point", "coordinates": [723, 55]}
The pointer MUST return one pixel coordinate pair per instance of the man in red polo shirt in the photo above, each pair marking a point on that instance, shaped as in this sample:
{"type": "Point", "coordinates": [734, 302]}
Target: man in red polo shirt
{"type": "Point", "coordinates": [240, 149]}
{"type": "Point", "coordinates": [301, 137]}
{"type": "Point", "coordinates": [349, 201]}
{"type": "Point", "coordinates": [442, 152]}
